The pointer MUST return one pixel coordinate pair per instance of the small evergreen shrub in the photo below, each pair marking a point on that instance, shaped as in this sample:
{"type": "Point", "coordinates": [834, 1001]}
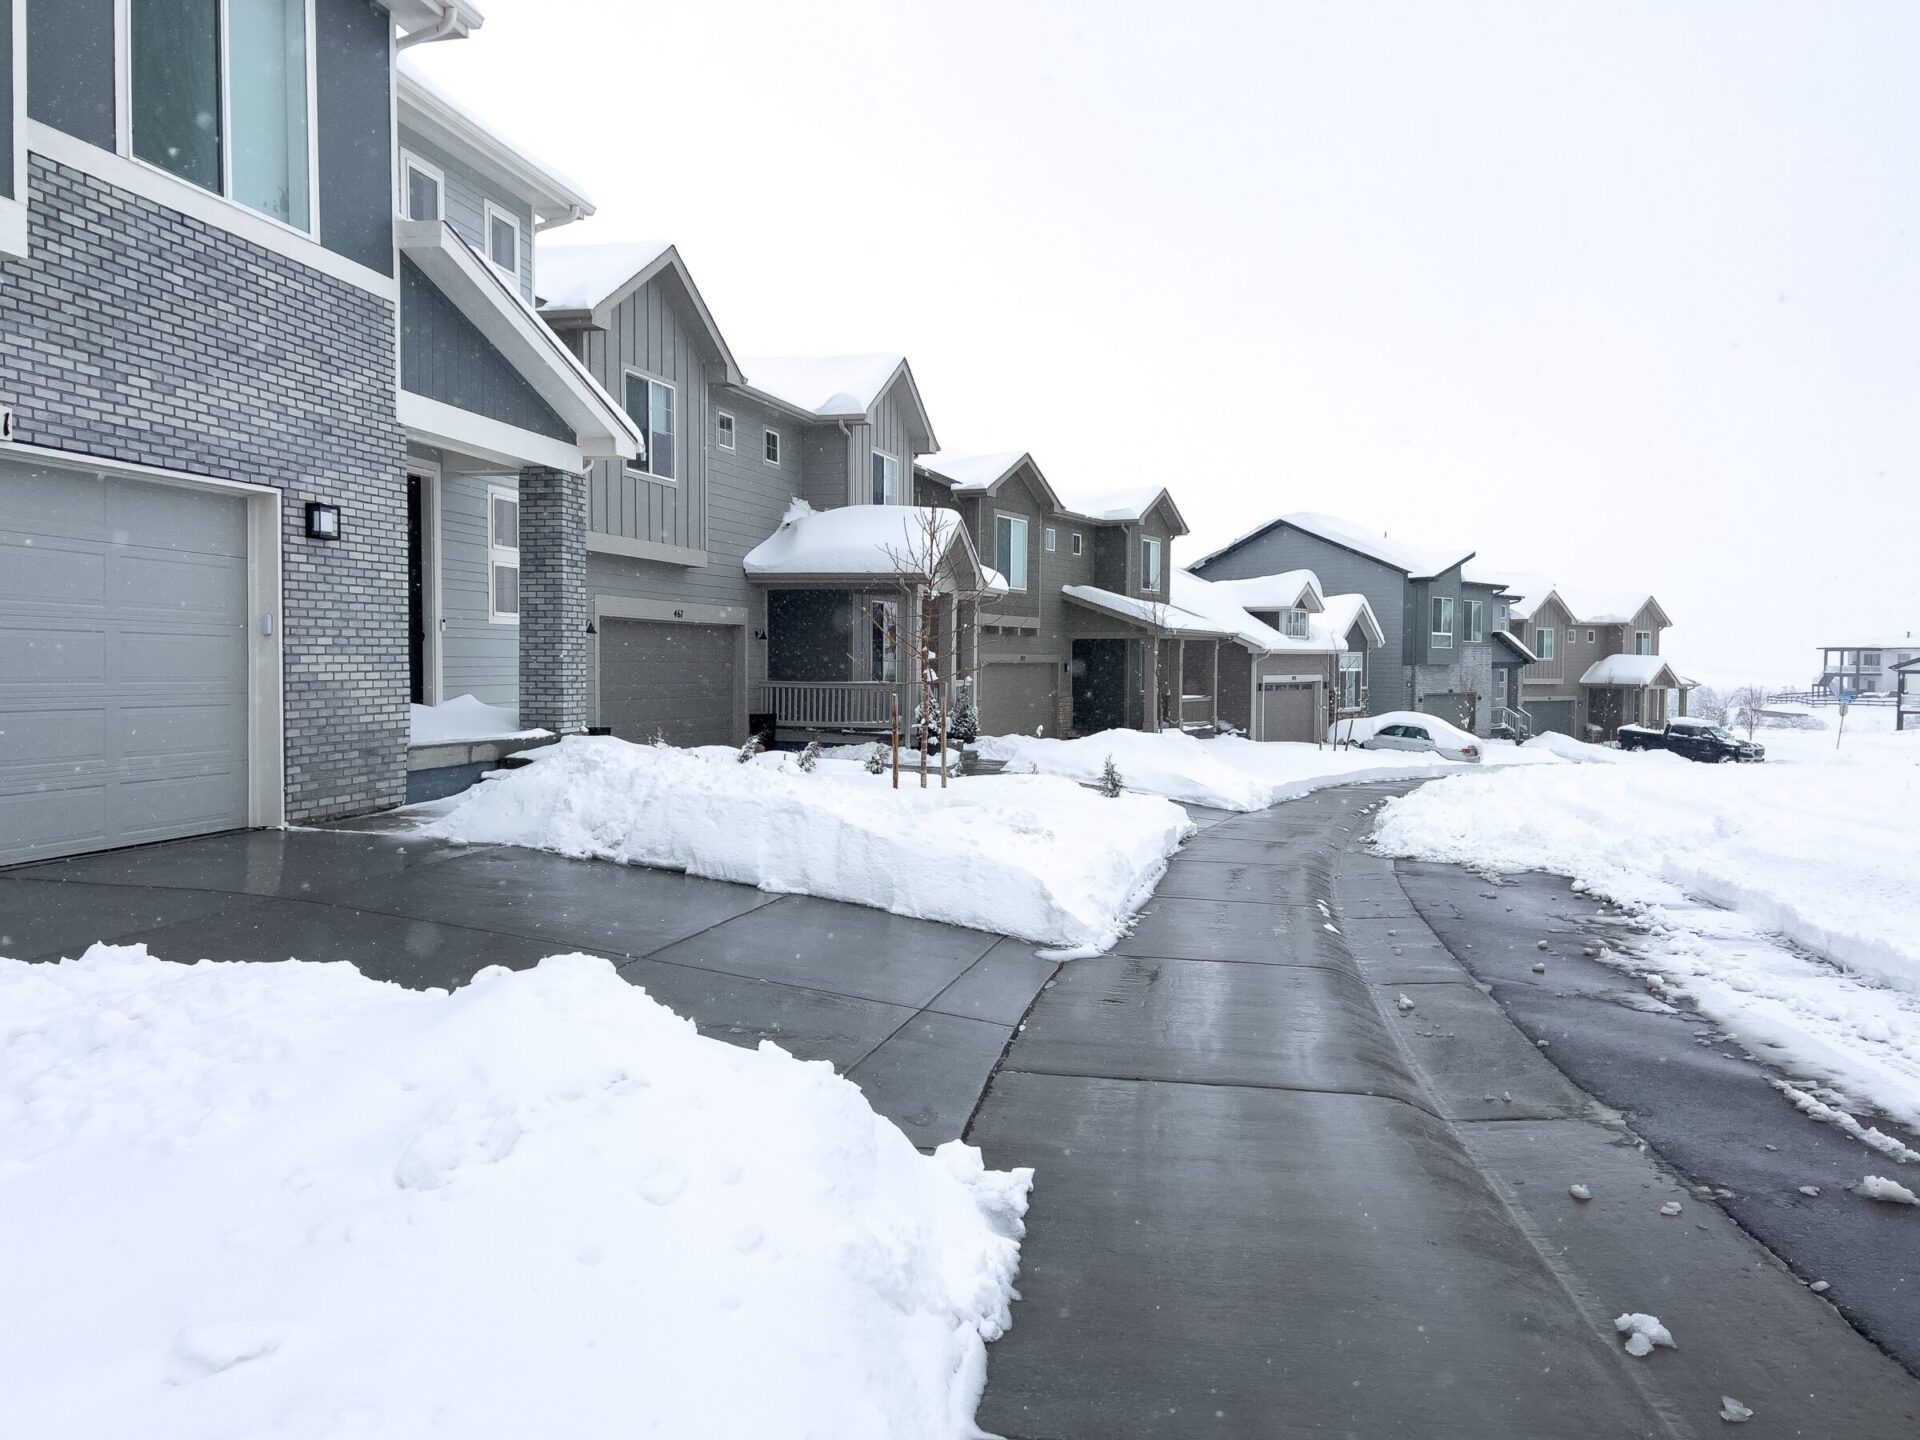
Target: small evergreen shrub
{"type": "Point", "coordinates": [1110, 785]}
{"type": "Point", "coordinates": [810, 756]}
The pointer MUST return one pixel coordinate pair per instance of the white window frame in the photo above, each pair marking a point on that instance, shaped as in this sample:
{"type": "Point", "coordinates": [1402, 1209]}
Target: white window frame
{"type": "Point", "coordinates": [489, 212]}
{"type": "Point", "coordinates": [767, 434]}
{"type": "Point", "coordinates": [724, 425]}
{"type": "Point", "coordinates": [123, 118]}
{"type": "Point", "coordinates": [1640, 635]}
{"type": "Point", "coordinates": [643, 464]}
{"type": "Point", "coordinates": [1079, 543]}
{"type": "Point", "coordinates": [1293, 624]}
{"type": "Point", "coordinates": [1545, 638]}
{"type": "Point", "coordinates": [1441, 625]}
{"type": "Point", "coordinates": [1573, 637]}
{"type": "Point", "coordinates": [889, 478]}
{"type": "Point", "coordinates": [498, 554]}
{"type": "Point", "coordinates": [1150, 545]}
{"type": "Point", "coordinates": [1591, 637]}
{"type": "Point", "coordinates": [1353, 663]}
{"type": "Point", "coordinates": [1476, 621]}
{"type": "Point", "coordinates": [1021, 536]}
{"type": "Point", "coordinates": [411, 161]}
{"type": "Point", "coordinates": [1050, 539]}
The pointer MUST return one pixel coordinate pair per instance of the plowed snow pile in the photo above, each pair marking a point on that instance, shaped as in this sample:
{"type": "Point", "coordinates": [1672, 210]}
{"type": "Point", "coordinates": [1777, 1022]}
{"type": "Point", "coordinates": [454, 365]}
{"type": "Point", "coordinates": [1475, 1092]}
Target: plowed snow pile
{"type": "Point", "coordinates": [283, 1200]}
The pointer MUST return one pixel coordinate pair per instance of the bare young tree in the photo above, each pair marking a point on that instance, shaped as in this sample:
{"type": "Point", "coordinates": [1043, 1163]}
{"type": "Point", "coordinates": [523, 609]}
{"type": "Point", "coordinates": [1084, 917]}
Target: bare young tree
{"type": "Point", "coordinates": [1748, 703]}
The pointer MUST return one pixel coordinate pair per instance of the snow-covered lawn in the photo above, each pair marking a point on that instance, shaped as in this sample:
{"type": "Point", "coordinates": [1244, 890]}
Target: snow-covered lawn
{"type": "Point", "coordinates": [1819, 846]}
{"type": "Point", "coordinates": [1024, 855]}
{"type": "Point", "coordinates": [1228, 772]}
{"type": "Point", "coordinates": [283, 1200]}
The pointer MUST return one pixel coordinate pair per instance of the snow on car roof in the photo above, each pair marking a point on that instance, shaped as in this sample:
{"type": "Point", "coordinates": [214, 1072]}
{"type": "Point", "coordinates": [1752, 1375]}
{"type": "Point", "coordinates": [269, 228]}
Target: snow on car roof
{"type": "Point", "coordinates": [579, 277]}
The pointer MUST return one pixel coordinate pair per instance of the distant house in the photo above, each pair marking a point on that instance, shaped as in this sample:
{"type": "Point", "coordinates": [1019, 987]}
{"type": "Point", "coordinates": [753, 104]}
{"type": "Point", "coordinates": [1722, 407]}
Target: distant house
{"type": "Point", "coordinates": [1598, 663]}
{"type": "Point", "coordinates": [1907, 682]}
{"type": "Point", "coordinates": [1440, 623]}
{"type": "Point", "coordinates": [1865, 667]}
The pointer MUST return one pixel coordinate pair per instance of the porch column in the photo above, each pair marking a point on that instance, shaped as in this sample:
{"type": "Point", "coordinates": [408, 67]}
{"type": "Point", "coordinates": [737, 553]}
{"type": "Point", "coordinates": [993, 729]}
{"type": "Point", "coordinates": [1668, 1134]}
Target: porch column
{"type": "Point", "coordinates": [553, 600]}
{"type": "Point", "coordinates": [1213, 709]}
{"type": "Point", "coordinates": [1180, 684]}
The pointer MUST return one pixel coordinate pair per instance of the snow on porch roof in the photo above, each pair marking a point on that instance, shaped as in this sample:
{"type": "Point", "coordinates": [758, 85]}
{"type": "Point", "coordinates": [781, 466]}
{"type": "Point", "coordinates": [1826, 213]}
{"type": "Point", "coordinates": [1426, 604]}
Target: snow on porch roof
{"type": "Point", "coordinates": [857, 540]}
{"type": "Point", "coordinates": [1635, 671]}
{"type": "Point", "coordinates": [1152, 614]}
{"type": "Point", "coordinates": [1216, 607]}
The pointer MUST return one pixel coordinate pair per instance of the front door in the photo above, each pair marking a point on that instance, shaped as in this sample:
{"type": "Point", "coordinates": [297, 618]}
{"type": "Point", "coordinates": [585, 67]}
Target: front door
{"type": "Point", "coordinates": [1099, 685]}
{"type": "Point", "coordinates": [417, 589]}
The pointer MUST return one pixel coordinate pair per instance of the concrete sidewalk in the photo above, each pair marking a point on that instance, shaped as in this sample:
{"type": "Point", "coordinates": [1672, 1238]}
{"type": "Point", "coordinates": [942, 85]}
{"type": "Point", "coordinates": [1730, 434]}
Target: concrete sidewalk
{"type": "Point", "coordinates": [1271, 1202]}
{"type": "Point", "coordinates": [915, 1012]}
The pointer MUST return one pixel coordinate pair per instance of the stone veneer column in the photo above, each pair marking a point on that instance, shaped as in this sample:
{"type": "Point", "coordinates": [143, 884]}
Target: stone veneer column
{"type": "Point", "coordinates": [553, 600]}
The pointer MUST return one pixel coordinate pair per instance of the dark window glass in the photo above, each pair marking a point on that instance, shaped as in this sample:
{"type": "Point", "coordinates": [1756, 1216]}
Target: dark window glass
{"type": "Point", "coordinates": [176, 87]}
{"type": "Point", "coordinates": [423, 195]}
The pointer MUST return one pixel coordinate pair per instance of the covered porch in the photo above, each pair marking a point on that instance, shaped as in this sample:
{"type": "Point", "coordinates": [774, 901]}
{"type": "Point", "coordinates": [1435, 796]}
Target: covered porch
{"type": "Point", "coordinates": [1141, 664]}
{"type": "Point", "coordinates": [1628, 690]}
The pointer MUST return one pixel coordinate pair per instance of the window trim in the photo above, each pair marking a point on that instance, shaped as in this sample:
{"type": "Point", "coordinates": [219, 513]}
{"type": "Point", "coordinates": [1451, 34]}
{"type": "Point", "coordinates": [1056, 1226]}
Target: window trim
{"type": "Point", "coordinates": [496, 553]}
{"type": "Point", "coordinates": [1150, 545]}
{"type": "Point", "coordinates": [886, 459]}
{"type": "Point", "coordinates": [1049, 539]}
{"type": "Point", "coordinates": [731, 430]}
{"type": "Point", "coordinates": [489, 212]}
{"type": "Point", "coordinates": [1591, 637]}
{"type": "Point", "coordinates": [1636, 642]}
{"type": "Point", "coordinates": [1357, 669]}
{"type": "Point", "coordinates": [1294, 617]}
{"type": "Point", "coordinates": [1476, 622]}
{"type": "Point", "coordinates": [409, 160]}
{"type": "Point", "coordinates": [123, 118]}
{"type": "Point", "coordinates": [1079, 543]}
{"type": "Point", "coordinates": [769, 433]}
{"type": "Point", "coordinates": [1438, 638]}
{"type": "Point", "coordinates": [643, 465]}
{"type": "Point", "coordinates": [1026, 539]}
{"type": "Point", "coordinates": [1545, 642]}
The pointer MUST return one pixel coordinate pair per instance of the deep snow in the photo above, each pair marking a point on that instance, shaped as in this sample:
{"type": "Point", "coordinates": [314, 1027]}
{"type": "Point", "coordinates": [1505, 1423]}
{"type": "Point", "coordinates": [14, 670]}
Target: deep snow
{"type": "Point", "coordinates": [286, 1200]}
{"type": "Point", "coordinates": [1023, 855]}
{"type": "Point", "coordinates": [1814, 845]}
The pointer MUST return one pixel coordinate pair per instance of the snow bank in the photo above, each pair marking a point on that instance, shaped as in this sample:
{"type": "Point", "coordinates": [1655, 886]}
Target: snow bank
{"type": "Point", "coordinates": [286, 1200]}
{"type": "Point", "coordinates": [1228, 772]}
{"type": "Point", "coordinates": [464, 719]}
{"type": "Point", "coordinates": [1020, 855]}
{"type": "Point", "coordinates": [1823, 854]}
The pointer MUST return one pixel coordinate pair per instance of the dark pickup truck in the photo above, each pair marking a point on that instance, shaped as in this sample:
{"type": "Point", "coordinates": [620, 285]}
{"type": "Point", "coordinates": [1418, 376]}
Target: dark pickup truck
{"type": "Point", "coordinates": [1694, 739]}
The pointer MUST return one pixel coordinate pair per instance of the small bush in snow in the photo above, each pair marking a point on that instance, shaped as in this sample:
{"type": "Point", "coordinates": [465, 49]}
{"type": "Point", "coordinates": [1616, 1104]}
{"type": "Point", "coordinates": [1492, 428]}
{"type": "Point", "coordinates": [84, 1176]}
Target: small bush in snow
{"type": "Point", "coordinates": [749, 750]}
{"type": "Point", "coordinates": [810, 756]}
{"type": "Point", "coordinates": [964, 723]}
{"type": "Point", "coordinates": [876, 762]}
{"type": "Point", "coordinates": [1110, 785]}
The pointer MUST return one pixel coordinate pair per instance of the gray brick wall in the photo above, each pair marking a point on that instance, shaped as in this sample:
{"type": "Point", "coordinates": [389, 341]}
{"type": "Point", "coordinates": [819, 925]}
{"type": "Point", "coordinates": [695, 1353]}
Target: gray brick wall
{"type": "Point", "coordinates": [136, 333]}
{"type": "Point", "coordinates": [553, 599]}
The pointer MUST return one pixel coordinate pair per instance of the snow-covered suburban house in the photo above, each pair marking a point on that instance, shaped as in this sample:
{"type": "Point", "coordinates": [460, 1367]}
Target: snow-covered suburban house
{"type": "Point", "coordinates": [1907, 689]}
{"type": "Point", "coordinates": [1866, 667]}
{"type": "Point", "coordinates": [1599, 664]}
{"type": "Point", "coordinates": [225, 340]}
{"type": "Point", "coordinates": [1440, 650]}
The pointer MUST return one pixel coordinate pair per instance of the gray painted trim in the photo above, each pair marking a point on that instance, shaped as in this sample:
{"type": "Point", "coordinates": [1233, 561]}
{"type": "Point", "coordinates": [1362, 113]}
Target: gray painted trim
{"type": "Point", "coordinates": [626, 607]}
{"type": "Point", "coordinates": [444, 356]}
{"type": "Point", "coordinates": [645, 549]}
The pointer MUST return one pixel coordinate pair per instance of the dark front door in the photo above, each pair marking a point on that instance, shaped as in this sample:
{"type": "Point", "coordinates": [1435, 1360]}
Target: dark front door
{"type": "Point", "coordinates": [416, 590]}
{"type": "Point", "coordinates": [1099, 685]}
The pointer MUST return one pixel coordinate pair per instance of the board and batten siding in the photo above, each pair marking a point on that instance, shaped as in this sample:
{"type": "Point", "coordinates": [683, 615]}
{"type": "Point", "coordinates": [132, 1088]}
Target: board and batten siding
{"type": "Point", "coordinates": [464, 200]}
{"type": "Point", "coordinates": [478, 656]}
{"type": "Point", "coordinates": [645, 334]}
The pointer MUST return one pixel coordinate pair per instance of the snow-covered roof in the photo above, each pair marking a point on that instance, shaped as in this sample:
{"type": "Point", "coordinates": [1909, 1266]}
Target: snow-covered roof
{"type": "Point", "coordinates": [1631, 670]}
{"type": "Point", "coordinates": [1216, 607]}
{"type": "Point", "coordinates": [1519, 647]}
{"type": "Point", "coordinates": [1603, 607]}
{"type": "Point", "coordinates": [1418, 563]}
{"type": "Point", "coordinates": [556, 198]}
{"type": "Point", "coordinates": [1343, 612]}
{"type": "Point", "coordinates": [971, 474]}
{"type": "Point", "coordinates": [1124, 507]}
{"type": "Point", "coordinates": [832, 387]}
{"type": "Point", "coordinates": [857, 540]}
{"type": "Point", "coordinates": [1528, 588]}
{"type": "Point", "coordinates": [1155, 614]}
{"type": "Point", "coordinates": [1506, 581]}
{"type": "Point", "coordinates": [580, 277]}
{"type": "Point", "coordinates": [1905, 642]}
{"type": "Point", "coordinates": [1289, 590]}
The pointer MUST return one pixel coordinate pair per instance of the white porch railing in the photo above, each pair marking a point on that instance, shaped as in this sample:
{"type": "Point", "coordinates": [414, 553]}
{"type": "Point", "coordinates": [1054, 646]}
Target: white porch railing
{"type": "Point", "coordinates": [838, 704]}
{"type": "Point", "coordinates": [1516, 720]}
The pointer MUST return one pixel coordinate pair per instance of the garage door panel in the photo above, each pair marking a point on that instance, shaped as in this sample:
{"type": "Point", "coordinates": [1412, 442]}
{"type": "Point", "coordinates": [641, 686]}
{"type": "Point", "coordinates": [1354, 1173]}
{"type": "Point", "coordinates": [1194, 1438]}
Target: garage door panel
{"type": "Point", "coordinates": [1289, 712]}
{"type": "Point", "coordinates": [124, 699]}
{"type": "Point", "coordinates": [1014, 698]}
{"type": "Point", "coordinates": [679, 681]}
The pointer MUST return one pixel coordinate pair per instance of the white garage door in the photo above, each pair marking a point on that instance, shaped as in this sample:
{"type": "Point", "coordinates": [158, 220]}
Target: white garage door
{"type": "Point", "coordinates": [1014, 698]}
{"type": "Point", "coordinates": [680, 681]}
{"type": "Point", "coordinates": [123, 662]}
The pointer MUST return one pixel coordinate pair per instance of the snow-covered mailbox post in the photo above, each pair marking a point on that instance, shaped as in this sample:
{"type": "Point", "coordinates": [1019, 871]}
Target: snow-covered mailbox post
{"type": "Point", "coordinates": [872, 612]}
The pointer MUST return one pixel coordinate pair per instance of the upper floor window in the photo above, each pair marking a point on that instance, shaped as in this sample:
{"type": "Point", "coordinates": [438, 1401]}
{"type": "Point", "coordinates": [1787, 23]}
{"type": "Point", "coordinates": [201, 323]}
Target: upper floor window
{"type": "Point", "coordinates": [1079, 543]}
{"type": "Point", "coordinates": [1590, 637]}
{"type": "Point", "coordinates": [1869, 659]}
{"type": "Point", "coordinates": [422, 187]}
{"type": "Point", "coordinates": [1573, 637]}
{"type": "Point", "coordinates": [1149, 563]}
{"type": "Point", "coordinates": [1295, 627]}
{"type": "Point", "coordinates": [218, 96]}
{"type": "Point", "coordinates": [650, 404]}
{"type": "Point", "coordinates": [723, 430]}
{"type": "Point", "coordinates": [886, 479]}
{"type": "Point", "coordinates": [771, 447]}
{"type": "Point", "coordinates": [1443, 622]}
{"type": "Point", "coordinates": [1351, 676]}
{"type": "Point", "coordinates": [1010, 549]}
{"type": "Point", "coordinates": [1543, 643]}
{"type": "Point", "coordinates": [503, 555]}
{"type": "Point", "coordinates": [1643, 642]}
{"type": "Point", "coordinates": [503, 242]}
{"type": "Point", "coordinates": [1476, 621]}
{"type": "Point", "coordinates": [1049, 541]}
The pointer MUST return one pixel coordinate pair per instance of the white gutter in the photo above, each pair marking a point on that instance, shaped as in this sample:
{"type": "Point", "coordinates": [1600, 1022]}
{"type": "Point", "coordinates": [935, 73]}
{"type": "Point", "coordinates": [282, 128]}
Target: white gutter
{"type": "Point", "coordinates": [455, 20]}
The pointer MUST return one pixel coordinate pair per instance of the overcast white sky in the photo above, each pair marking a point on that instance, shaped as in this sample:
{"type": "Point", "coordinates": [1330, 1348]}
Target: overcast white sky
{"type": "Point", "coordinates": [1626, 294]}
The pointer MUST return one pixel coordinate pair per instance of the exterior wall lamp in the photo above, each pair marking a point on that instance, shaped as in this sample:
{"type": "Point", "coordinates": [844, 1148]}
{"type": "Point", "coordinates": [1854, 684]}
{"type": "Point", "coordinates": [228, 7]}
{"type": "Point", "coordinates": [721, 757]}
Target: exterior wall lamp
{"type": "Point", "coordinates": [323, 521]}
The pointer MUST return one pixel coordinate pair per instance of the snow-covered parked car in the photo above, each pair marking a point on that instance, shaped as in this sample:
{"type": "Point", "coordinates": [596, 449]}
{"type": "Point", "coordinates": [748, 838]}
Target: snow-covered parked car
{"type": "Point", "coordinates": [1408, 730]}
{"type": "Point", "coordinates": [1694, 740]}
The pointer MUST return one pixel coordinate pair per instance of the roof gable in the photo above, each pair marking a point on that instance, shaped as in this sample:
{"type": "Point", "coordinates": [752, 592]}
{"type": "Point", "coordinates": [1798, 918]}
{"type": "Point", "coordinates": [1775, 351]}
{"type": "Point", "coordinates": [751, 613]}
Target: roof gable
{"type": "Point", "coordinates": [987, 474]}
{"type": "Point", "coordinates": [586, 283]}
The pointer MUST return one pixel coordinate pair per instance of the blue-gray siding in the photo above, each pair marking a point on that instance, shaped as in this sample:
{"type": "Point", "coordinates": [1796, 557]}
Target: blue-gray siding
{"type": "Point", "coordinates": [70, 68]}
{"type": "Point", "coordinates": [464, 199]}
{"type": "Point", "coordinates": [353, 91]}
{"type": "Point", "coordinates": [444, 357]}
{"type": "Point", "coordinates": [6, 99]}
{"type": "Point", "coordinates": [477, 656]}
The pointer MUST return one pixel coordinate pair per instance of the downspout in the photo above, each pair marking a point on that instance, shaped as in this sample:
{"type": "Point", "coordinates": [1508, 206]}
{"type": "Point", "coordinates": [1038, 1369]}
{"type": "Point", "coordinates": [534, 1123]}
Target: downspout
{"type": "Point", "coordinates": [449, 23]}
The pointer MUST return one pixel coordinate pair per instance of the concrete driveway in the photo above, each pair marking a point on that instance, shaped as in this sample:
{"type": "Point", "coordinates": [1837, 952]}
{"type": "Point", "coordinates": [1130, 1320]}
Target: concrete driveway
{"type": "Point", "coordinates": [916, 1013]}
